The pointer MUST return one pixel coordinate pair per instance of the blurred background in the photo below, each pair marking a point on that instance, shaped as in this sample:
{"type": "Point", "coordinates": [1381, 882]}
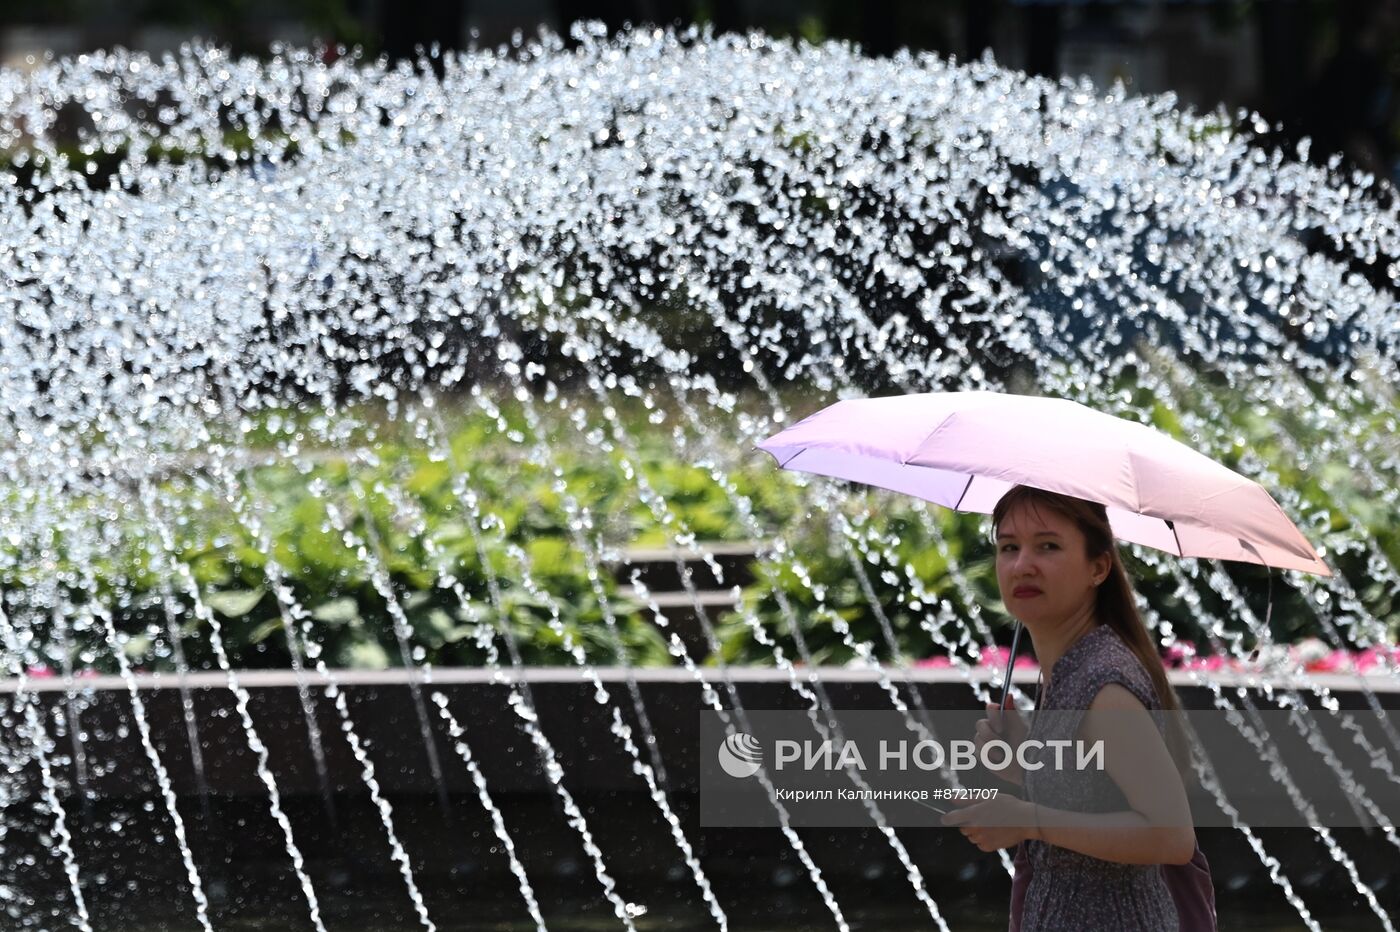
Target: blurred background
{"type": "Point", "coordinates": [1323, 69]}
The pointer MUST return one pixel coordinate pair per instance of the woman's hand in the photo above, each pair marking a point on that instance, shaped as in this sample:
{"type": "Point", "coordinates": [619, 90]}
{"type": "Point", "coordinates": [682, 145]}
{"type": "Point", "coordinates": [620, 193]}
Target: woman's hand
{"type": "Point", "coordinates": [996, 823]}
{"type": "Point", "coordinates": [1005, 726]}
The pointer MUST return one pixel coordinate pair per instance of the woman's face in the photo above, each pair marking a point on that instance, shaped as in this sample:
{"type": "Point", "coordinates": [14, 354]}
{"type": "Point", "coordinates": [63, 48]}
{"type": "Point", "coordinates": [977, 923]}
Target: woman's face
{"type": "Point", "coordinates": [1044, 574]}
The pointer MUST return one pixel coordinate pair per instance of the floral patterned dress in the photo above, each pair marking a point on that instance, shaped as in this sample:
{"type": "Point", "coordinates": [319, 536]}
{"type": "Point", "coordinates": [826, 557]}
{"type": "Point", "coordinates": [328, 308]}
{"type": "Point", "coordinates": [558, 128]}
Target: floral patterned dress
{"type": "Point", "coordinates": [1069, 891]}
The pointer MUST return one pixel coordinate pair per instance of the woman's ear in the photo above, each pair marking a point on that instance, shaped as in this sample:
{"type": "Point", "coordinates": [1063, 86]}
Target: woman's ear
{"type": "Point", "coordinates": [1103, 566]}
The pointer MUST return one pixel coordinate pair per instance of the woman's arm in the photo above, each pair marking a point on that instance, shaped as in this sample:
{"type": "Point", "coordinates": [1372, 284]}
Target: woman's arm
{"type": "Point", "coordinates": [1156, 828]}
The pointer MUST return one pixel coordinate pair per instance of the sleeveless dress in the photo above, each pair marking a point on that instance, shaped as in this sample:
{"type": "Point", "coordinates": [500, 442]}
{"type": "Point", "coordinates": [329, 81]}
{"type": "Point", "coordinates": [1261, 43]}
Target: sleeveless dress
{"type": "Point", "coordinates": [1070, 891]}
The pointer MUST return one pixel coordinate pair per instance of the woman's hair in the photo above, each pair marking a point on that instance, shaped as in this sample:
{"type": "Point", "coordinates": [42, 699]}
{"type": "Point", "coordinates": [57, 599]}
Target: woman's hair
{"type": "Point", "coordinates": [1114, 604]}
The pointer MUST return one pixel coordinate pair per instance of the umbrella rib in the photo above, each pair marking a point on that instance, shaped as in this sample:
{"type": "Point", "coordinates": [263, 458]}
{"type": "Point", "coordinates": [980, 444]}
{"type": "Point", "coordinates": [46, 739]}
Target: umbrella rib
{"type": "Point", "coordinates": [904, 460]}
{"type": "Point", "coordinates": [782, 464]}
{"type": "Point", "coordinates": [1172, 524]}
{"type": "Point", "coordinates": [964, 492]}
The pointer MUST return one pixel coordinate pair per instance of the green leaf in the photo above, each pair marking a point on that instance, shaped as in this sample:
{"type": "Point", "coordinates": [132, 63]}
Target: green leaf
{"type": "Point", "coordinates": [337, 611]}
{"type": "Point", "coordinates": [210, 569]}
{"type": "Point", "coordinates": [136, 646]}
{"type": "Point", "coordinates": [549, 556]}
{"type": "Point", "coordinates": [250, 556]}
{"type": "Point", "coordinates": [442, 623]}
{"type": "Point", "coordinates": [427, 477]}
{"type": "Point", "coordinates": [367, 655]}
{"type": "Point", "coordinates": [265, 630]}
{"type": "Point", "coordinates": [234, 603]}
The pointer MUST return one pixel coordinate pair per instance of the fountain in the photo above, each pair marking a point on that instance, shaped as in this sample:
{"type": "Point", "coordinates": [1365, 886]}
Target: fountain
{"type": "Point", "coordinates": [340, 394]}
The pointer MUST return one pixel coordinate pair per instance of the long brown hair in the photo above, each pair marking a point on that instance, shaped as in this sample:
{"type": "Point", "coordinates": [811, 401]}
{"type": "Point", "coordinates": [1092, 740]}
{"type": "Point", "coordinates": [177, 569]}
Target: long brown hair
{"type": "Point", "coordinates": [1114, 603]}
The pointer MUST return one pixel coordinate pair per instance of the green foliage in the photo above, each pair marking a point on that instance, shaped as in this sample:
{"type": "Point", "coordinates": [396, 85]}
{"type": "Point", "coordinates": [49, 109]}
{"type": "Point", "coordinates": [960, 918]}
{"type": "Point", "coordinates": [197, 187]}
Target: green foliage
{"type": "Point", "coordinates": [375, 543]}
{"type": "Point", "coordinates": [898, 547]}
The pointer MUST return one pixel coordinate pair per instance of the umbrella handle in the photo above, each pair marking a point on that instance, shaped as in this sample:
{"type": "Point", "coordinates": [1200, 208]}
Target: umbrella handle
{"type": "Point", "coordinates": [1010, 660]}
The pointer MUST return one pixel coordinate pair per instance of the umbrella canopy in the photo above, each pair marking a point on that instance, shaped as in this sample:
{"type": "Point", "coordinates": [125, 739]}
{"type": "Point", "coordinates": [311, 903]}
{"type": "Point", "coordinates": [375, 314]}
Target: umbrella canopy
{"type": "Point", "coordinates": [965, 450]}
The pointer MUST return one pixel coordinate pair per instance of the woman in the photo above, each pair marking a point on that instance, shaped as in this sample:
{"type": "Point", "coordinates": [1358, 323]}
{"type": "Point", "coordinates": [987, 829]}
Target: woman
{"type": "Point", "coordinates": [1090, 845]}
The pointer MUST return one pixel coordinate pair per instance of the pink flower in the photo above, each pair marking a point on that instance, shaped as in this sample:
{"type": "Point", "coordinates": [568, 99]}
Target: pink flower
{"type": "Point", "coordinates": [39, 671]}
{"type": "Point", "coordinates": [937, 662]}
{"type": "Point", "coordinates": [992, 656]}
{"type": "Point", "coordinates": [1178, 655]}
{"type": "Point", "coordinates": [1309, 651]}
{"type": "Point", "coordinates": [1376, 657]}
{"type": "Point", "coordinates": [1335, 660]}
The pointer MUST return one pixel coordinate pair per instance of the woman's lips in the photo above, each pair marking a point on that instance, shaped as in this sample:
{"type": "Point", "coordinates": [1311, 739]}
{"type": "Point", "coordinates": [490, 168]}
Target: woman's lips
{"type": "Point", "coordinates": [1025, 592]}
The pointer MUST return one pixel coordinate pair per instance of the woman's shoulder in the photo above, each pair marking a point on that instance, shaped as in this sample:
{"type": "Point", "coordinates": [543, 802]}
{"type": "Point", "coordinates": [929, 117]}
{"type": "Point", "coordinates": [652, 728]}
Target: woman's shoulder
{"type": "Point", "coordinates": [1106, 658]}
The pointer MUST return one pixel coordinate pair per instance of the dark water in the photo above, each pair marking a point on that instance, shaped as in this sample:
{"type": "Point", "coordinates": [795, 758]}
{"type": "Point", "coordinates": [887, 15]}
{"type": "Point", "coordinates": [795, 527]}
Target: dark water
{"type": "Point", "coordinates": [753, 916]}
{"type": "Point", "coordinates": [134, 878]}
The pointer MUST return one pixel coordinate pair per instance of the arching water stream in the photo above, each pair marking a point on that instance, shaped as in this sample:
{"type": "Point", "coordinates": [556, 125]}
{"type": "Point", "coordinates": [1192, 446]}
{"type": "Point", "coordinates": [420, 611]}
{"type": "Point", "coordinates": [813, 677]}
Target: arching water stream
{"type": "Point", "coordinates": [249, 300]}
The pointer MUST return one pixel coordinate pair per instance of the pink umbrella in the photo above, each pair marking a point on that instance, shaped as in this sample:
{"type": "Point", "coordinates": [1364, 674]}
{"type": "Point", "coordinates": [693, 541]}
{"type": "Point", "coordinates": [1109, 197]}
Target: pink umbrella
{"type": "Point", "coordinates": [965, 450]}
